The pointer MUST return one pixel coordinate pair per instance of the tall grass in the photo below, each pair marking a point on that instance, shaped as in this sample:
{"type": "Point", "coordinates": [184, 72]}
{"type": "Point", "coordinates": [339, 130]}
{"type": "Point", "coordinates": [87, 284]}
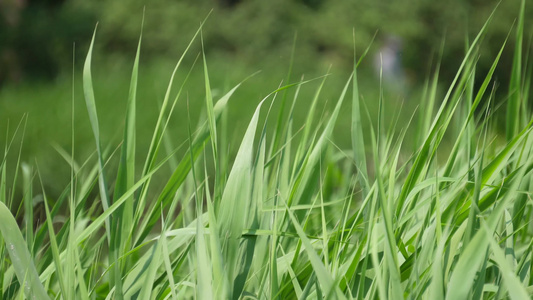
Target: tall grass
{"type": "Point", "coordinates": [295, 216]}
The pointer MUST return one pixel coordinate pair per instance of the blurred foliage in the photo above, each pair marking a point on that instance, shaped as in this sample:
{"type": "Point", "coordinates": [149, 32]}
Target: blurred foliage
{"type": "Point", "coordinates": [40, 42]}
{"type": "Point", "coordinates": [37, 37]}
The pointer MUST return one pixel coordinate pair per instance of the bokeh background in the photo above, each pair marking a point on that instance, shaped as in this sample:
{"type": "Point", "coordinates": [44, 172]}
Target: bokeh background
{"type": "Point", "coordinates": [43, 44]}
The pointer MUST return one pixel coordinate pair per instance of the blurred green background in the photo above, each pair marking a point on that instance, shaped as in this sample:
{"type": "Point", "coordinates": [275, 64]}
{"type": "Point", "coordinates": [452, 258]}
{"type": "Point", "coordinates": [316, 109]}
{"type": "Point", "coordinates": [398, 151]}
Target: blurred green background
{"type": "Point", "coordinates": [39, 78]}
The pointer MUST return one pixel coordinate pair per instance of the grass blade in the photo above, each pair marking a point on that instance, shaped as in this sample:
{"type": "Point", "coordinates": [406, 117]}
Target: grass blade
{"type": "Point", "coordinates": [20, 256]}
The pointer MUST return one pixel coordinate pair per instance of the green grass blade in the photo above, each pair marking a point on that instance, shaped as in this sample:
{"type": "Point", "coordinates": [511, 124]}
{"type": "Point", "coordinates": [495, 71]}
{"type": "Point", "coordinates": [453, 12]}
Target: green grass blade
{"type": "Point", "coordinates": [210, 110]}
{"type": "Point", "coordinates": [234, 205]}
{"type": "Point", "coordinates": [203, 278]}
{"type": "Point", "coordinates": [515, 288]}
{"type": "Point", "coordinates": [386, 209]}
{"type": "Point", "coordinates": [123, 224]}
{"type": "Point", "coordinates": [66, 292]}
{"type": "Point", "coordinates": [93, 117]}
{"type": "Point", "coordinates": [326, 281]}
{"type": "Point", "coordinates": [20, 256]}
{"type": "Point", "coordinates": [358, 142]}
{"type": "Point", "coordinates": [166, 260]}
{"type": "Point", "coordinates": [515, 89]}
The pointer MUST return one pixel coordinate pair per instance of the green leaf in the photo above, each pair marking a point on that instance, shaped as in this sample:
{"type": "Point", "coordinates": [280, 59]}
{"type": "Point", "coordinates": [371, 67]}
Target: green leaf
{"type": "Point", "coordinates": [20, 256]}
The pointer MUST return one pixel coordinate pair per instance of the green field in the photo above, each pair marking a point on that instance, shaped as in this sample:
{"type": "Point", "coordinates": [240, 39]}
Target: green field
{"type": "Point", "coordinates": [194, 180]}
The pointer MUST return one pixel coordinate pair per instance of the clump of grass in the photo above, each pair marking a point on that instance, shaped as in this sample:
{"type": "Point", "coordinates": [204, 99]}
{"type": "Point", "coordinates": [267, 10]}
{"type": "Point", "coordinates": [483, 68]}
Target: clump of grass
{"type": "Point", "coordinates": [295, 216]}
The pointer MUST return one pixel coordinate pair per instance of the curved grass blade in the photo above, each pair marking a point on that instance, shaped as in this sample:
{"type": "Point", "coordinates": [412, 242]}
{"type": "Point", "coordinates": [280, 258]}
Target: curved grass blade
{"type": "Point", "coordinates": [20, 256]}
{"type": "Point", "coordinates": [93, 117]}
{"type": "Point", "coordinates": [234, 205]}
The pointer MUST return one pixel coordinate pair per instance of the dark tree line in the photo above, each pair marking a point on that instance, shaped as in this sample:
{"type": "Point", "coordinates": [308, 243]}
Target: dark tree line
{"type": "Point", "coordinates": [36, 37]}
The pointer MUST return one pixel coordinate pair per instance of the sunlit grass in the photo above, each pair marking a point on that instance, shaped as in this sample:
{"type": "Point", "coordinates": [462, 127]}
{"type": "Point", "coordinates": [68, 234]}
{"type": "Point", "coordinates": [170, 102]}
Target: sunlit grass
{"type": "Point", "coordinates": [285, 212]}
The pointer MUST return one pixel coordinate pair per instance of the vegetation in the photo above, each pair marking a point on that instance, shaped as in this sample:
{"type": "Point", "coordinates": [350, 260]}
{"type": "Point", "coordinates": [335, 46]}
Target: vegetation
{"type": "Point", "coordinates": [293, 215]}
{"type": "Point", "coordinates": [38, 35]}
